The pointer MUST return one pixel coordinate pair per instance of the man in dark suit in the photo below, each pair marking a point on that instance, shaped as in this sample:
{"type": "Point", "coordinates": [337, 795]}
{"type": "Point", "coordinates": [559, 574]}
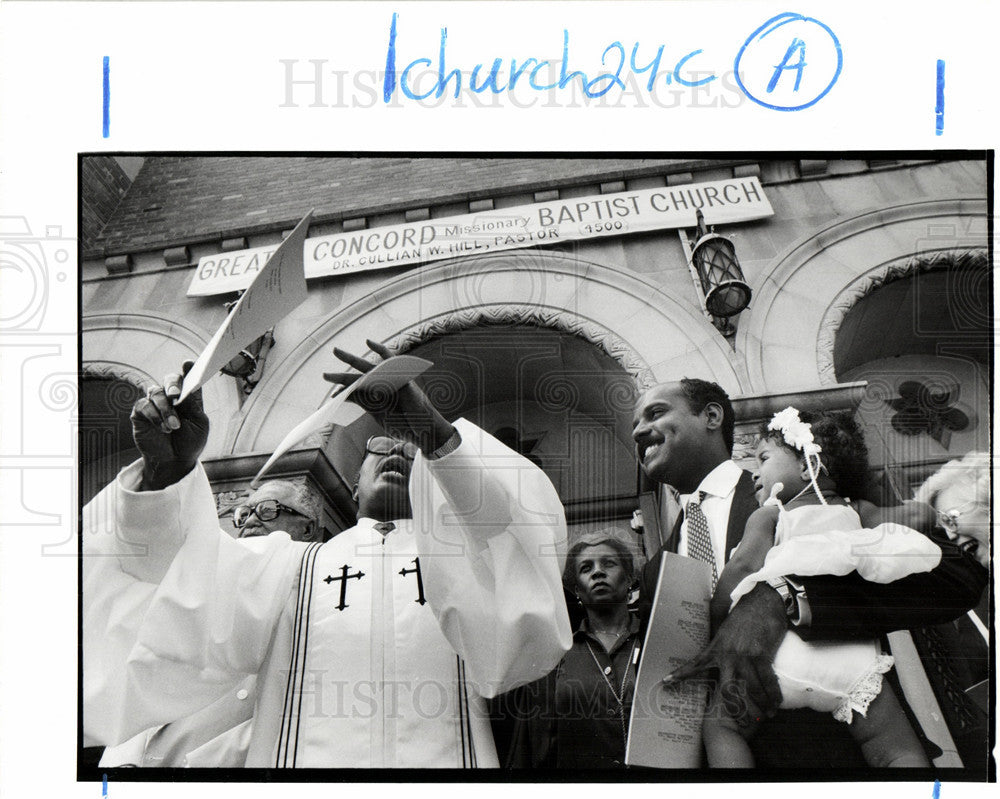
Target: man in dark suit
{"type": "Point", "coordinates": [684, 437]}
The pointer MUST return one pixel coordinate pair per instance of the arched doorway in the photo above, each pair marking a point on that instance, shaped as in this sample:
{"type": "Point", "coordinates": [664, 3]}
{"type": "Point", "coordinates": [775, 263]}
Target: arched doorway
{"type": "Point", "coordinates": [106, 444]}
{"type": "Point", "coordinates": [787, 336]}
{"type": "Point", "coordinates": [551, 396]}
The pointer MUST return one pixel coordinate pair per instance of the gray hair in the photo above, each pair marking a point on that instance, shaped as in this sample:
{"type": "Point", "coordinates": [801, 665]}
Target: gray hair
{"type": "Point", "coordinates": [300, 499]}
{"type": "Point", "coordinates": [972, 469]}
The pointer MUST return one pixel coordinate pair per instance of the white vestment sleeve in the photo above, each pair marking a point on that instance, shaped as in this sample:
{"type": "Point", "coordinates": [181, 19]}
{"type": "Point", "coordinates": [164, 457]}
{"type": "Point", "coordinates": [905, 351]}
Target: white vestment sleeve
{"type": "Point", "coordinates": [881, 554]}
{"type": "Point", "coordinates": [491, 535]}
{"type": "Point", "coordinates": [175, 612]}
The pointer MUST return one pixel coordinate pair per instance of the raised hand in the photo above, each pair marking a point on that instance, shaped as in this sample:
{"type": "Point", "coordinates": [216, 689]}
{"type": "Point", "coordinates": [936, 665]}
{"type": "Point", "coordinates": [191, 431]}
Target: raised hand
{"type": "Point", "coordinates": [742, 654]}
{"type": "Point", "coordinates": [405, 414]}
{"type": "Point", "coordinates": [170, 437]}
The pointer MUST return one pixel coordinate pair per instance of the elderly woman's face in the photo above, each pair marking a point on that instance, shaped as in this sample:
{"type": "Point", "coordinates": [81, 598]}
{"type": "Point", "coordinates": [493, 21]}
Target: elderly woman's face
{"type": "Point", "coordinates": [601, 577]}
{"type": "Point", "coordinates": [965, 513]}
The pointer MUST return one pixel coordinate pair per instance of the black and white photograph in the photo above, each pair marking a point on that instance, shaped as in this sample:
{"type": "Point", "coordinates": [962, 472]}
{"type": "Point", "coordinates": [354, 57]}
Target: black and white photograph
{"type": "Point", "coordinates": [397, 466]}
{"type": "Point", "coordinates": [471, 396]}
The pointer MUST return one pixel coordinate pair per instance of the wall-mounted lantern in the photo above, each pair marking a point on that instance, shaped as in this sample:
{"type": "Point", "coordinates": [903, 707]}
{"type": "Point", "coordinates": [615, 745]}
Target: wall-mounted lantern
{"type": "Point", "coordinates": [718, 278]}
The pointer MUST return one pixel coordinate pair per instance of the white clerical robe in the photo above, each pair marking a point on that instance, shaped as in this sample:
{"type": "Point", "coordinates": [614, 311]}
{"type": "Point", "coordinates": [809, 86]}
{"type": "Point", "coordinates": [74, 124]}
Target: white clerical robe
{"type": "Point", "coordinates": [371, 650]}
{"type": "Point", "coordinates": [216, 736]}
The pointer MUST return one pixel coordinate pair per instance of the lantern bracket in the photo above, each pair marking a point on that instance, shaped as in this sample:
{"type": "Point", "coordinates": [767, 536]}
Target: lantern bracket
{"type": "Point", "coordinates": [717, 277]}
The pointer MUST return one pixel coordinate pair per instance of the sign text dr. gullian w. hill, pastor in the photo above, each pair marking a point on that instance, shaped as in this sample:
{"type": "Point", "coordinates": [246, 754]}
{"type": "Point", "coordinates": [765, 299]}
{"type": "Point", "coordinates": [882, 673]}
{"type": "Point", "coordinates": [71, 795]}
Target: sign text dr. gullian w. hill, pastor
{"type": "Point", "coordinates": [532, 225]}
{"type": "Point", "coordinates": [788, 63]}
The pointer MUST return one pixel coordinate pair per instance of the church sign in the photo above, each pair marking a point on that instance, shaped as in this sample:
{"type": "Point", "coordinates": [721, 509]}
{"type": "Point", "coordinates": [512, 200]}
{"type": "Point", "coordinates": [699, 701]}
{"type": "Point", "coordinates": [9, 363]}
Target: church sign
{"type": "Point", "coordinates": [538, 224]}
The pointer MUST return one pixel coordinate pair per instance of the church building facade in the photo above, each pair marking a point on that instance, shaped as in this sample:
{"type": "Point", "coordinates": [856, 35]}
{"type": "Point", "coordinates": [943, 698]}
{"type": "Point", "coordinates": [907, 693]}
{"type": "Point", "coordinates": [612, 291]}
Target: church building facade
{"type": "Point", "coordinates": [548, 292]}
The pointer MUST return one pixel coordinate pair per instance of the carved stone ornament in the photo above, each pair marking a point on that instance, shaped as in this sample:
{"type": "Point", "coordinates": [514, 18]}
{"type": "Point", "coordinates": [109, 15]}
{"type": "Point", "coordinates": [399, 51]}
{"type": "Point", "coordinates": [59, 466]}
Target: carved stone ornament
{"type": "Point", "coordinates": [225, 501]}
{"type": "Point", "coordinates": [540, 316]}
{"type": "Point", "coordinates": [118, 371]}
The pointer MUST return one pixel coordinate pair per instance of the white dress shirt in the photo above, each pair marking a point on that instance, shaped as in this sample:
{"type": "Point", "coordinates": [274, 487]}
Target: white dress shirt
{"type": "Point", "coordinates": [719, 486]}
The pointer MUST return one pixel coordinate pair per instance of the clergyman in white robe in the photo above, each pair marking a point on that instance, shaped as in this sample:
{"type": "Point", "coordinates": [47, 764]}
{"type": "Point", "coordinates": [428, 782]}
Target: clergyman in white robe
{"type": "Point", "coordinates": [371, 650]}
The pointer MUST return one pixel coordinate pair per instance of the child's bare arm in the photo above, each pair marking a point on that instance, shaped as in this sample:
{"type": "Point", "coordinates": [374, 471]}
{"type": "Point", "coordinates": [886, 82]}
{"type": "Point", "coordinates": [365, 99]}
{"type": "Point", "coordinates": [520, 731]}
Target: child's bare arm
{"type": "Point", "coordinates": [917, 516]}
{"type": "Point", "coordinates": [758, 538]}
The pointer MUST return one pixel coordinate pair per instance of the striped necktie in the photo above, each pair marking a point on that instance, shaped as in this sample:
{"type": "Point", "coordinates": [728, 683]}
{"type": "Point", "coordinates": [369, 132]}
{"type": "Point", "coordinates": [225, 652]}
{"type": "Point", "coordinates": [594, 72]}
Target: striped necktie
{"type": "Point", "coordinates": [699, 541]}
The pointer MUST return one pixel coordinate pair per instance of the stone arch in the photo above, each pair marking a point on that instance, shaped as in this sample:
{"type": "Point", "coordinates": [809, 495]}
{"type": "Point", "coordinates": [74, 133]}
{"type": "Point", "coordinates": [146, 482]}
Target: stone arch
{"type": "Point", "coordinates": [653, 335]}
{"type": "Point", "coordinates": [141, 348]}
{"type": "Point", "coordinates": [510, 314]}
{"type": "Point", "coordinates": [118, 371]}
{"type": "Point", "coordinates": [787, 335]}
{"type": "Point", "coordinates": [871, 281]}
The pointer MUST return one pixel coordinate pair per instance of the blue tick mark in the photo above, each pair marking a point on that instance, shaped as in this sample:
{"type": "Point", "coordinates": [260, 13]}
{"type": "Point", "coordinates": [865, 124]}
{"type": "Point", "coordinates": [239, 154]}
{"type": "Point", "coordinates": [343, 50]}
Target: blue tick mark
{"type": "Point", "coordinates": [104, 792]}
{"type": "Point", "coordinates": [937, 783]}
{"type": "Point", "coordinates": [390, 63]}
{"type": "Point", "coordinates": [939, 121]}
{"type": "Point", "coordinates": [107, 132]}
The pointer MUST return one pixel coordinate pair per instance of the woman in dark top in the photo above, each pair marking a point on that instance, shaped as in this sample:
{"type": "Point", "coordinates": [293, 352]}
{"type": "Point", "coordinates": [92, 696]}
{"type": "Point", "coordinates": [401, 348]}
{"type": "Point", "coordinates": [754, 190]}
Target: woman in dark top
{"type": "Point", "coordinates": [577, 717]}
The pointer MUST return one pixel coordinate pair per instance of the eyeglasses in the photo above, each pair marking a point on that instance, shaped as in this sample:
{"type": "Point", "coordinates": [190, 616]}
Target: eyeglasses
{"type": "Point", "coordinates": [948, 519]}
{"type": "Point", "coordinates": [383, 445]}
{"type": "Point", "coordinates": [266, 510]}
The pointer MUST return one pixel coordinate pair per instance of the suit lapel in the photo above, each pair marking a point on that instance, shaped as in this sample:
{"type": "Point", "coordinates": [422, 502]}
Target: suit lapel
{"type": "Point", "coordinates": [673, 540]}
{"type": "Point", "coordinates": [744, 503]}
{"type": "Point", "coordinates": [651, 569]}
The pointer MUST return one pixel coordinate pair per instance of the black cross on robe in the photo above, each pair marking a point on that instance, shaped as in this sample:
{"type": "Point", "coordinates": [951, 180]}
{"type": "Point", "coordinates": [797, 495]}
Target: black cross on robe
{"type": "Point", "coordinates": [420, 580]}
{"type": "Point", "coordinates": [344, 577]}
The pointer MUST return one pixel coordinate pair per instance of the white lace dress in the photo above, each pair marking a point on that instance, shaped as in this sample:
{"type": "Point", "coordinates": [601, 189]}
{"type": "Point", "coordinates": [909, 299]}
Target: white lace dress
{"type": "Point", "coordinates": [841, 677]}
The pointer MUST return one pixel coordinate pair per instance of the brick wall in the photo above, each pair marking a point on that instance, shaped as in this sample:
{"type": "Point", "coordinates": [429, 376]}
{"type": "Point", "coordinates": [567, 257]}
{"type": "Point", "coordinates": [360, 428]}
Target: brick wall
{"type": "Point", "coordinates": [176, 200]}
{"type": "Point", "coordinates": [103, 183]}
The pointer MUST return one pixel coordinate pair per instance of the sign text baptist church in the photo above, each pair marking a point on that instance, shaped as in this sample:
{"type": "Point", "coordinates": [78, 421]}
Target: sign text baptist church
{"type": "Point", "coordinates": [408, 244]}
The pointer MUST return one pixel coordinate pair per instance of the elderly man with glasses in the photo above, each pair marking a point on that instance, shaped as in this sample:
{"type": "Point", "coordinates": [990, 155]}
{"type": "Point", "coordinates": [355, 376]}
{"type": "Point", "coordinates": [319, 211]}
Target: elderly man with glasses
{"type": "Point", "coordinates": [278, 505]}
{"type": "Point", "coordinates": [374, 649]}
